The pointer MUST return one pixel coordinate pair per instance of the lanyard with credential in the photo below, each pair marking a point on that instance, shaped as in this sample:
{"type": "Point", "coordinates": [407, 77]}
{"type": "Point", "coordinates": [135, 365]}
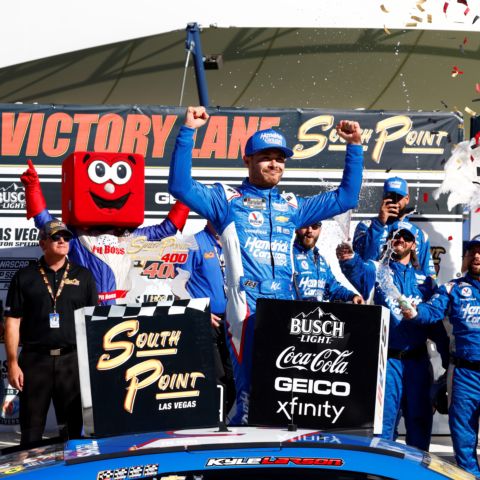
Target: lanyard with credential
{"type": "Point", "coordinates": [49, 287]}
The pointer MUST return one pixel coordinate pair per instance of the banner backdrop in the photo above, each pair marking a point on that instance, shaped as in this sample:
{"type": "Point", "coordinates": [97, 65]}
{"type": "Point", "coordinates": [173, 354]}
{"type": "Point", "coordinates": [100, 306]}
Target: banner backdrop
{"type": "Point", "coordinates": [406, 141]}
{"type": "Point", "coordinates": [413, 145]}
{"type": "Point", "coordinates": [319, 364]}
{"type": "Point", "coordinates": [146, 367]}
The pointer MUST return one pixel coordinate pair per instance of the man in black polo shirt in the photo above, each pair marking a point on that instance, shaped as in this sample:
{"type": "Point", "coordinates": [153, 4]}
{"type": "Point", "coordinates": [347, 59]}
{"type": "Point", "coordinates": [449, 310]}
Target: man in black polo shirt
{"type": "Point", "coordinates": [39, 315]}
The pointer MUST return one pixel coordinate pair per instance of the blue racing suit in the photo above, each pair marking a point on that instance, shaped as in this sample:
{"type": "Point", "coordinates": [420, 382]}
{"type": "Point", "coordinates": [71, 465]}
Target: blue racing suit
{"type": "Point", "coordinates": [104, 254]}
{"type": "Point", "coordinates": [460, 300]}
{"type": "Point", "coordinates": [314, 279]}
{"type": "Point", "coordinates": [408, 380]}
{"type": "Point", "coordinates": [370, 237]}
{"type": "Point", "coordinates": [257, 227]}
{"type": "Point", "coordinates": [205, 264]}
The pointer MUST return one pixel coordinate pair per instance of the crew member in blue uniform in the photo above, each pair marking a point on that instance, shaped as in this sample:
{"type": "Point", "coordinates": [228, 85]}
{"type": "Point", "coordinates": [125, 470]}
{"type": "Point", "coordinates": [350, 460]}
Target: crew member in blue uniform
{"type": "Point", "coordinates": [459, 299]}
{"type": "Point", "coordinates": [206, 265]}
{"type": "Point", "coordinates": [370, 235]}
{"type": "Point", "coordinates": [409, 378]}
{"type": "Point", "coordinates": [313, 277]}
{"type": "Point", "coordinates": [257, 224]}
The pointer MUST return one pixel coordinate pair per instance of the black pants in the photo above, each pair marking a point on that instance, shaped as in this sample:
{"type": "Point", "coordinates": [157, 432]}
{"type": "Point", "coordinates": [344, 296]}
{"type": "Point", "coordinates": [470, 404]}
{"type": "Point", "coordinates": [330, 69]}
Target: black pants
{"type": "Point", "coordinates": [223, 365]}
{"type": "Point", "coordinates": [49, 378]}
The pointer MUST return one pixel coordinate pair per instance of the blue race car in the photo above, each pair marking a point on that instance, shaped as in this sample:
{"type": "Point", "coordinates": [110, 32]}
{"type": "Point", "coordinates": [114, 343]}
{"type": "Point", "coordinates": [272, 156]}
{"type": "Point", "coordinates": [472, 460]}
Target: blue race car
{"type": "Point", "coordinates": [244, 453]}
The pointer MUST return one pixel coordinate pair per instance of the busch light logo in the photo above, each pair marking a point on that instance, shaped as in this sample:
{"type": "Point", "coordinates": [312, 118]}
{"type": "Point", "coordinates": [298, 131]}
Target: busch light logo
{"type": "Point", "coordinates": [12, 197]}
{"type": "Point", "coordinates": [317, 327]}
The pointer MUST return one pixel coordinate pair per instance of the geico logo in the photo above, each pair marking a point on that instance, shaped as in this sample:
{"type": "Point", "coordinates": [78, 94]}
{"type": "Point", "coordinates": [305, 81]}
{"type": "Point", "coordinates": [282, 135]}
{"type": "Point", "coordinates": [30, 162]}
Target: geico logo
{"type": "Point", "coordinates": [304, 385]}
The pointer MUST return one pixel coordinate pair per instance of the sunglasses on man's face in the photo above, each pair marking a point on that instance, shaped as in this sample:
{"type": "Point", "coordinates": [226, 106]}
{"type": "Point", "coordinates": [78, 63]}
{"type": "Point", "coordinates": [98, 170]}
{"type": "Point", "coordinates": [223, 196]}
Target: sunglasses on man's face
{"type": "Point", "coordinates": [408, 237]}
{"type": "Point", "coordinates": [57, 236]}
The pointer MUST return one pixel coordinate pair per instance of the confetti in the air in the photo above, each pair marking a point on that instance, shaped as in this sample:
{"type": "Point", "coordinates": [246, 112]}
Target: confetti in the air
{"type": "Point", "coordinates": [417, 19]}
{"type": "Point", "coordinates": [425, 197]}
{"type": "Point", "coordinates": [384, 8]}
{"type": "Point", "coordinates": [445, 6]}
{"type": "Point", "coordinates": [429, 18]}
{"type": "Point", "coordinates": [470, 111]}
{"type": "Point", "coordinates": [419, 6]}
{"type": "Point", "coordinates": [411, 24]}
{"type": "Point", "coordinates": [386, 30]}
{"type": "Point", "coordinates": [477, 87]}
{"type": "Point", "coordinates": [463, 2]}
{"type": "Point", "coordinates": [475, 19]}
{"type": "Point", "coordinates": [456, 71]}
{"type": "Point", "coordinates": [450, 238]}
{"type": "Point", "coordinates": [443, 103]}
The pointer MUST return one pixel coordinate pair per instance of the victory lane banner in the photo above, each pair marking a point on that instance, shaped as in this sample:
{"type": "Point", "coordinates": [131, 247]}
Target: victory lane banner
{"type": "Point", "coordinates": [146, 367]}
{"type": "Point", "coordinates": [319, 365]}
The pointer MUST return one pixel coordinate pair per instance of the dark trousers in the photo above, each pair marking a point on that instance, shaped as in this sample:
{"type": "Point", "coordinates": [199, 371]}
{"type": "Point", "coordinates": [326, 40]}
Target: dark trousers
{"type": "Point", "coordinates": [223, 365]}
{"type": "Point", "coordinates": [49, 378]}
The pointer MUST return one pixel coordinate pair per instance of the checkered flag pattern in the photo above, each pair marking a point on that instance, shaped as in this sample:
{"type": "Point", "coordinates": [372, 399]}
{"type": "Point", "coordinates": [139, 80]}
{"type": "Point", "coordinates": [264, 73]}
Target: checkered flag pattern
{"type": "Point", "coordinates": [122, 312]}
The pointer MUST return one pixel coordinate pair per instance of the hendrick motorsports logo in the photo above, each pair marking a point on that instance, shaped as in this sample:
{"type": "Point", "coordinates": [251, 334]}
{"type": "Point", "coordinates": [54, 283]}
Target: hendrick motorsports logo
{"type": "Point", "coordinates": [12, 197]}
{"type": "Point", "coordinates": [255, 461]}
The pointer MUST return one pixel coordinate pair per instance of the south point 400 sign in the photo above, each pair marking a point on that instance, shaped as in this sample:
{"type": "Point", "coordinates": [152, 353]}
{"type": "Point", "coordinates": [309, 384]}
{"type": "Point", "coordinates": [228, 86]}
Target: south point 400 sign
{"type": "Point", "coordinates": [319, 365]}
{"type": "Point", "coordinates": [146, 367]}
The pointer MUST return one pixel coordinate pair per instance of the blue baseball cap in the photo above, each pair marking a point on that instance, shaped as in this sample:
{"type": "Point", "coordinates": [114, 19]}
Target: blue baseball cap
{"type": "Point", "coordinates": [474, 241]}
{"type": "Point", "coordinates": [265, 139]}
{"type": "Point", "coordinates": [396, 185]}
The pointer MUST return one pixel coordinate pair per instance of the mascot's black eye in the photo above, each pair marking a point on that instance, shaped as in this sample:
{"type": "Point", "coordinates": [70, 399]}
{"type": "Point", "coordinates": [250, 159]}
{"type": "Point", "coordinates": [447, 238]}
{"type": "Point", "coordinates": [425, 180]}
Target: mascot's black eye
{"type": "Point", "coordinates": [99, 172]}
{"type": "Point", "coordinates": [121, 173]}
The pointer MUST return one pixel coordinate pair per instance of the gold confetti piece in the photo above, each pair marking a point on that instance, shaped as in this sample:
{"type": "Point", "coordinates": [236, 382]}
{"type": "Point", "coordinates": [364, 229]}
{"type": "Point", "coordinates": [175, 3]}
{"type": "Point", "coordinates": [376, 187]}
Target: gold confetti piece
{"type": "Point", "coordinates": [419, 6]}
{"type": "Point", "coordinates": [386, 30]}
{"type": "Point", "coordinates": [417, 19]}
{"type": "Point", "coordinates": [384, 8]}
{"type": "Point", "coordinates": [411, 24]}
{"type": "Point", "coordinates": [470, 112]}
{"type": "Point", "coordinates": [429, 18]}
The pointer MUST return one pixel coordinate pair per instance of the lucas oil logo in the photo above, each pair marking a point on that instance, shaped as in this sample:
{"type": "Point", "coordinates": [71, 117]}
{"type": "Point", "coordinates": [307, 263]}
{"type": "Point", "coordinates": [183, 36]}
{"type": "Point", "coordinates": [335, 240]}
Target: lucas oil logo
{"type": "Point", "coordinates": [256, 219]}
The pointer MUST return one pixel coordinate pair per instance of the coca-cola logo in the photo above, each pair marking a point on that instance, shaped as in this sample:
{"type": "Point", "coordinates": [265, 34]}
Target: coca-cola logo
{"type": "Point", "coordinates": [330, 360]}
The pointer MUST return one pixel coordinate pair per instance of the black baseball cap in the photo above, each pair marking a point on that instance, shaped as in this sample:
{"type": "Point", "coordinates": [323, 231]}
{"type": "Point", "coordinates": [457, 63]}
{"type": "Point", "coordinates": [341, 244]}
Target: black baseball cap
{"type": "Point", "coordinates": [52, 227]}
